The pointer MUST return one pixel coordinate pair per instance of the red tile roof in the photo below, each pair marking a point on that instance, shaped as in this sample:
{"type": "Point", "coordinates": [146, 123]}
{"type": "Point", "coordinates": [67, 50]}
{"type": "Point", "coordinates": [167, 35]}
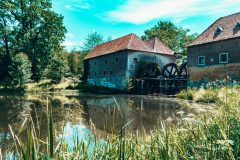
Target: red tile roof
{"type": "Point", "coordinates": [158, 46]}
{"type": "Point", "coordinates": [129, 42]}
{"type": "Point", "coordinates": [227, 23]}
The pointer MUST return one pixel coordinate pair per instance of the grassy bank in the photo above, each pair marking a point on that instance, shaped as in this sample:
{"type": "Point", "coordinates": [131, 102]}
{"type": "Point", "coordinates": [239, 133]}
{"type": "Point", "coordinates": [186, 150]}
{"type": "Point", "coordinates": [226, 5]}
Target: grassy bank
{"type": "Point", "coordinates": [210, 135]}
{"type": "Point", "coordinates": [46, 86]}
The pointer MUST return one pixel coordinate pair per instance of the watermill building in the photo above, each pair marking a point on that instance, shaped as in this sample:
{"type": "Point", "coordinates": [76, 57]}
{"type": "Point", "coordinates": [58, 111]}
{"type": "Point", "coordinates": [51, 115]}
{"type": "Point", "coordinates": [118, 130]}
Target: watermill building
{"type": "Point", "coordinates": [215, 54]}
{"type": "Point", "coordinates": [111, 64]}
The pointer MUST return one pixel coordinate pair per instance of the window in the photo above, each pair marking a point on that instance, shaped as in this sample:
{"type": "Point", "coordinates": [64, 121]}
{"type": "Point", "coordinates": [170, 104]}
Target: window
{"type": "Point", "coordinates": [116, 59]}
{"type": "Point", "coordinates": [201, 60]}
{"type": "Point", "coordinates": [135, 60]}
{"type": "Point", "coordinates": [105, 61]}
{"type": "Point", "coordinates": [237, 27]}
{"type": "Point", "coordinates": [223, 58]}
{"type": "Point", "coordinates": [95, 74]}
{"type": "Point", "coordinates": [218, 31]}
{"type": "Point", "coordinates": [104, 73]}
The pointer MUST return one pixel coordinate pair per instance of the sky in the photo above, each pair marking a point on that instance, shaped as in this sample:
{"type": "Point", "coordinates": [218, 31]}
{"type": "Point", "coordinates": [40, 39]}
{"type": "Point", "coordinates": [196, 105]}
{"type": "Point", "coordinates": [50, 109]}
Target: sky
{"type": "Point", "coordinates": [116, 18]}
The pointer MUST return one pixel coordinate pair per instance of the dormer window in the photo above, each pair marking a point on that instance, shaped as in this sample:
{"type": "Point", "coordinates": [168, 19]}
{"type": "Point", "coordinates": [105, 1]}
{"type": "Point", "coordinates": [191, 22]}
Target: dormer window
{"type": "Point", "coordinates": [218, 31]}
{"type": "Point", "coordinates": [237, 27]}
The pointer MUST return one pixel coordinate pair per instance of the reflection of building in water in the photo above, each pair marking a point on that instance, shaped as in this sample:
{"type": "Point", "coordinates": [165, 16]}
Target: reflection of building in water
{"type": "Point", "coordinates": [145, 113]}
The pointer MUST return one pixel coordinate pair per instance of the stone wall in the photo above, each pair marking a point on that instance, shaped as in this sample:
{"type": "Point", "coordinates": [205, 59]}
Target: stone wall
{"type": "Point", "coordinates": [108, 70]}
{"type": "Point", "coordinates": [160, 59]}
{"type": "Point", "coordinates": [114, 70]}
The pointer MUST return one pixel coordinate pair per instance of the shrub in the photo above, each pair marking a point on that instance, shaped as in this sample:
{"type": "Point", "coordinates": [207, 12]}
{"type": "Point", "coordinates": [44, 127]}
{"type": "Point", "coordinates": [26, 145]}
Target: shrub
{"type": "Point", "coordinates": [58, 68]}
{"type": "Point", "coordinates": [20, 70]}
{"type": "Point", "coordinates": [207, 96]}
{"type": "Point", "coordinates": [186, 94]}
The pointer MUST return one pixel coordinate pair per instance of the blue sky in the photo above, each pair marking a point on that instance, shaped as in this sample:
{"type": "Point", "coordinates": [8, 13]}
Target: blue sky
{"type": "Point", "coordinates": [117, 18]}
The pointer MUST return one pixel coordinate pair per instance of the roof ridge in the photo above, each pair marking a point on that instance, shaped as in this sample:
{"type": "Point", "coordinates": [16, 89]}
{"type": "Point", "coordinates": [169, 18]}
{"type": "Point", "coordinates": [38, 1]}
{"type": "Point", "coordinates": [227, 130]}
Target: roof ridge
{"type": "Point", "coordinates": [130, 40]}
{"type": "Point", "coordinates": [204, 31]}
{"type": "Point", "coordinates": [164, 44]}
{"type": "Point", "coordinates": [154, 44]}
{"type": "Point", "coordinates": [114, 39]}
{"type": "Point", "coordinates": [231, 15]}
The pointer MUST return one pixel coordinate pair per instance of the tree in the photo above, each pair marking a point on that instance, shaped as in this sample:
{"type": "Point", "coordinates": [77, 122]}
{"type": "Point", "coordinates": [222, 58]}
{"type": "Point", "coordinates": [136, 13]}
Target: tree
{"type": "Point", "coordinates": [35, 30]}
{"type": "Point", "coordinates": [175, 37]}
{"type": "Point", "coordinates": [6, 38]}
{"type": "Point", "coordinates": [92, 40]}
{"type": "Point", "coordinates": [108, 39]}
{"type": "Point", "coordinates": [58, 68]}
{"type": "Point", "coordinates": [20, 70]}
{"type": "Point", "coordinates": [81, 57]}
{"type": "Point", "coordinates": [73, 62]}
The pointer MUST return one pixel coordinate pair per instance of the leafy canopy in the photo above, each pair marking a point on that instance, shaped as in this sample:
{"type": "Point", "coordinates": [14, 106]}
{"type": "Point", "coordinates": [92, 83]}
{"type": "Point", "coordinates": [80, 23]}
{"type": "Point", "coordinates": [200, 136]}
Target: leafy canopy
{"type": "Point", "coordinates": [20, 70]}
{"type": "Point", "coordinates": [175, 37]}
{"type": "Point", "coordinates": [92, 40]}
{"type": "Point", "coordinates": [31, 27]}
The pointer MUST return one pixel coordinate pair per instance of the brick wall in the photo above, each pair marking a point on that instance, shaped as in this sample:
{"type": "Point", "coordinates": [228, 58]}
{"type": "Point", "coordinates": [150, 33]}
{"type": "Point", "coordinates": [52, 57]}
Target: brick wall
{"type": "Point", "coordinates": [213, 69]}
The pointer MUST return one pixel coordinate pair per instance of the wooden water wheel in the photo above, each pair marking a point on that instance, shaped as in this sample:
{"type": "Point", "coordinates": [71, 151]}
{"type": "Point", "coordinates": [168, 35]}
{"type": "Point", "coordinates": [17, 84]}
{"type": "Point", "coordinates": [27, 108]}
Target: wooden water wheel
{"type": "Point", "coordinates": [151, 70]}
{"type": "Point", "coordinates": [170, 70]}
{"type": "Point", "coordinates": [183, 71]}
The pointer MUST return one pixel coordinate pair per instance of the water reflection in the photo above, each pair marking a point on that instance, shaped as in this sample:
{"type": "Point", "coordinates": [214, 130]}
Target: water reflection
{"type": "Point", "coordinates": [76, 135]}
{"type": "Point", "coordinates": [99, 114]}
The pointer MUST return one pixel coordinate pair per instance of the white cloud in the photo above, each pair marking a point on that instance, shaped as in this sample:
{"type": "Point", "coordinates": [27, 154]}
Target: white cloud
{"type": "Point", "coordinates": [69, 36]}
{"type": "Point", "coordinates": [71, 44]}
{"type": "Point", "coordinates": [68, 7]}
{"type": "Point", "coordinates": [77, 5]}
{"type": "Point", "coordinates": [142, 11]}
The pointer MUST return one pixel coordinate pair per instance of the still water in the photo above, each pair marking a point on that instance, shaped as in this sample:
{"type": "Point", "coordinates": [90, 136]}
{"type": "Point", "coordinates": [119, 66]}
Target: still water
{"type": "Point", "coordinates": [95, 114]}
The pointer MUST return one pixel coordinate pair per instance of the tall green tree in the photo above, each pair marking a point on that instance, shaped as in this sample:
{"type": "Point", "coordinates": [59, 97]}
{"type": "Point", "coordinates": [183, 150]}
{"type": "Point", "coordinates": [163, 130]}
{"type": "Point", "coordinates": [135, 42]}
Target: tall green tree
{"type": "Point", "coordinates": [20, 70]}
{"type": "Point", "coordinates": [38, 31]}
{"type": "Point", "coordinates": [58, 68]}
{"type": "Point", "coordinates": [6, 37]}
{"type": "Point", "coordinates": [81, 57]}
{"type": "Point", "coordinates": [177, 38]}
{"type": "Point", "coordinates": [92, 40]}
{"type": "Point", "coordinates": [73, 62]}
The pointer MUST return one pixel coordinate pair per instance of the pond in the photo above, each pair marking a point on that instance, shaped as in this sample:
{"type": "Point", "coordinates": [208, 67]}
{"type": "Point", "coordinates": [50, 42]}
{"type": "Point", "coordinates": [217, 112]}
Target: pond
{"type": "Point", "coordinates": [99, 114]}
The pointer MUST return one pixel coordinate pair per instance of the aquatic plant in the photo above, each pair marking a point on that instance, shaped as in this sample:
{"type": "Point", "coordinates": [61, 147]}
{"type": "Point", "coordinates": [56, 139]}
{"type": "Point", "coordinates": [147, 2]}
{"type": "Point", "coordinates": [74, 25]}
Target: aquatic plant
{"type": "Point", "coordinates": [212, 135]}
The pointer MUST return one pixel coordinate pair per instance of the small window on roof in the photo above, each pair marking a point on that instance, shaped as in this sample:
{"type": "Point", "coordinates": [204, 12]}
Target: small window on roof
{"type": "Point", "coordinates": [237, 27]}
{"type": "Point", "coordinates": [218, 31]}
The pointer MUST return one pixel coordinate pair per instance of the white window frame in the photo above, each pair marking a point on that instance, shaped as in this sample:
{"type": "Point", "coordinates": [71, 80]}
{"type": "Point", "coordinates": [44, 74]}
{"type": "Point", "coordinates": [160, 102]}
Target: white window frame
{"type": "Point", "coordinates": [204, 60]}
{"type": "Point", "coordinates": [220, 54]}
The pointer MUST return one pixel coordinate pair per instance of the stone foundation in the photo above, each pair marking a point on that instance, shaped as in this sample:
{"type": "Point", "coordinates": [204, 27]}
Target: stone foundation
{"type": "Point", "coordinates": [110, 82]}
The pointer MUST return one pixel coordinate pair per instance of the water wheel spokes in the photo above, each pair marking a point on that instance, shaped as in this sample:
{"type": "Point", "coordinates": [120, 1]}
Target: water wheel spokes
{"type": "Point", "coordinates": [183, 70]}
{"type": "Point", "coordinates": [170, 70]}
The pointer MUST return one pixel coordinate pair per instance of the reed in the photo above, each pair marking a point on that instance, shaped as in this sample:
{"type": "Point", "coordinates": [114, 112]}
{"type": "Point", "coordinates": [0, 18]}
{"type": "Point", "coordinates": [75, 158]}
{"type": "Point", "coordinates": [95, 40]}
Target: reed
{"type": "Point", "coordinates": [209, 136]}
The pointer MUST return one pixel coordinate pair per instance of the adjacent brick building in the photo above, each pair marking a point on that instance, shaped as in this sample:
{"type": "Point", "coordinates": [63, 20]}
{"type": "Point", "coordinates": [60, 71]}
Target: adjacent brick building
{"type": "Point", "coordinates": [111, 64]}
{"type": "Point", "coordinates": [215, 54]}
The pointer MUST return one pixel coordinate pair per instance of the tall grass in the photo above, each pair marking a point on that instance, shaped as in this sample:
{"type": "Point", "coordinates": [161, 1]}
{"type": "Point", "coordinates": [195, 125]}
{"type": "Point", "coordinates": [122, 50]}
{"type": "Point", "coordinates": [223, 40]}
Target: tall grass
{"type": "Point", "coordinates": [209, 136]}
